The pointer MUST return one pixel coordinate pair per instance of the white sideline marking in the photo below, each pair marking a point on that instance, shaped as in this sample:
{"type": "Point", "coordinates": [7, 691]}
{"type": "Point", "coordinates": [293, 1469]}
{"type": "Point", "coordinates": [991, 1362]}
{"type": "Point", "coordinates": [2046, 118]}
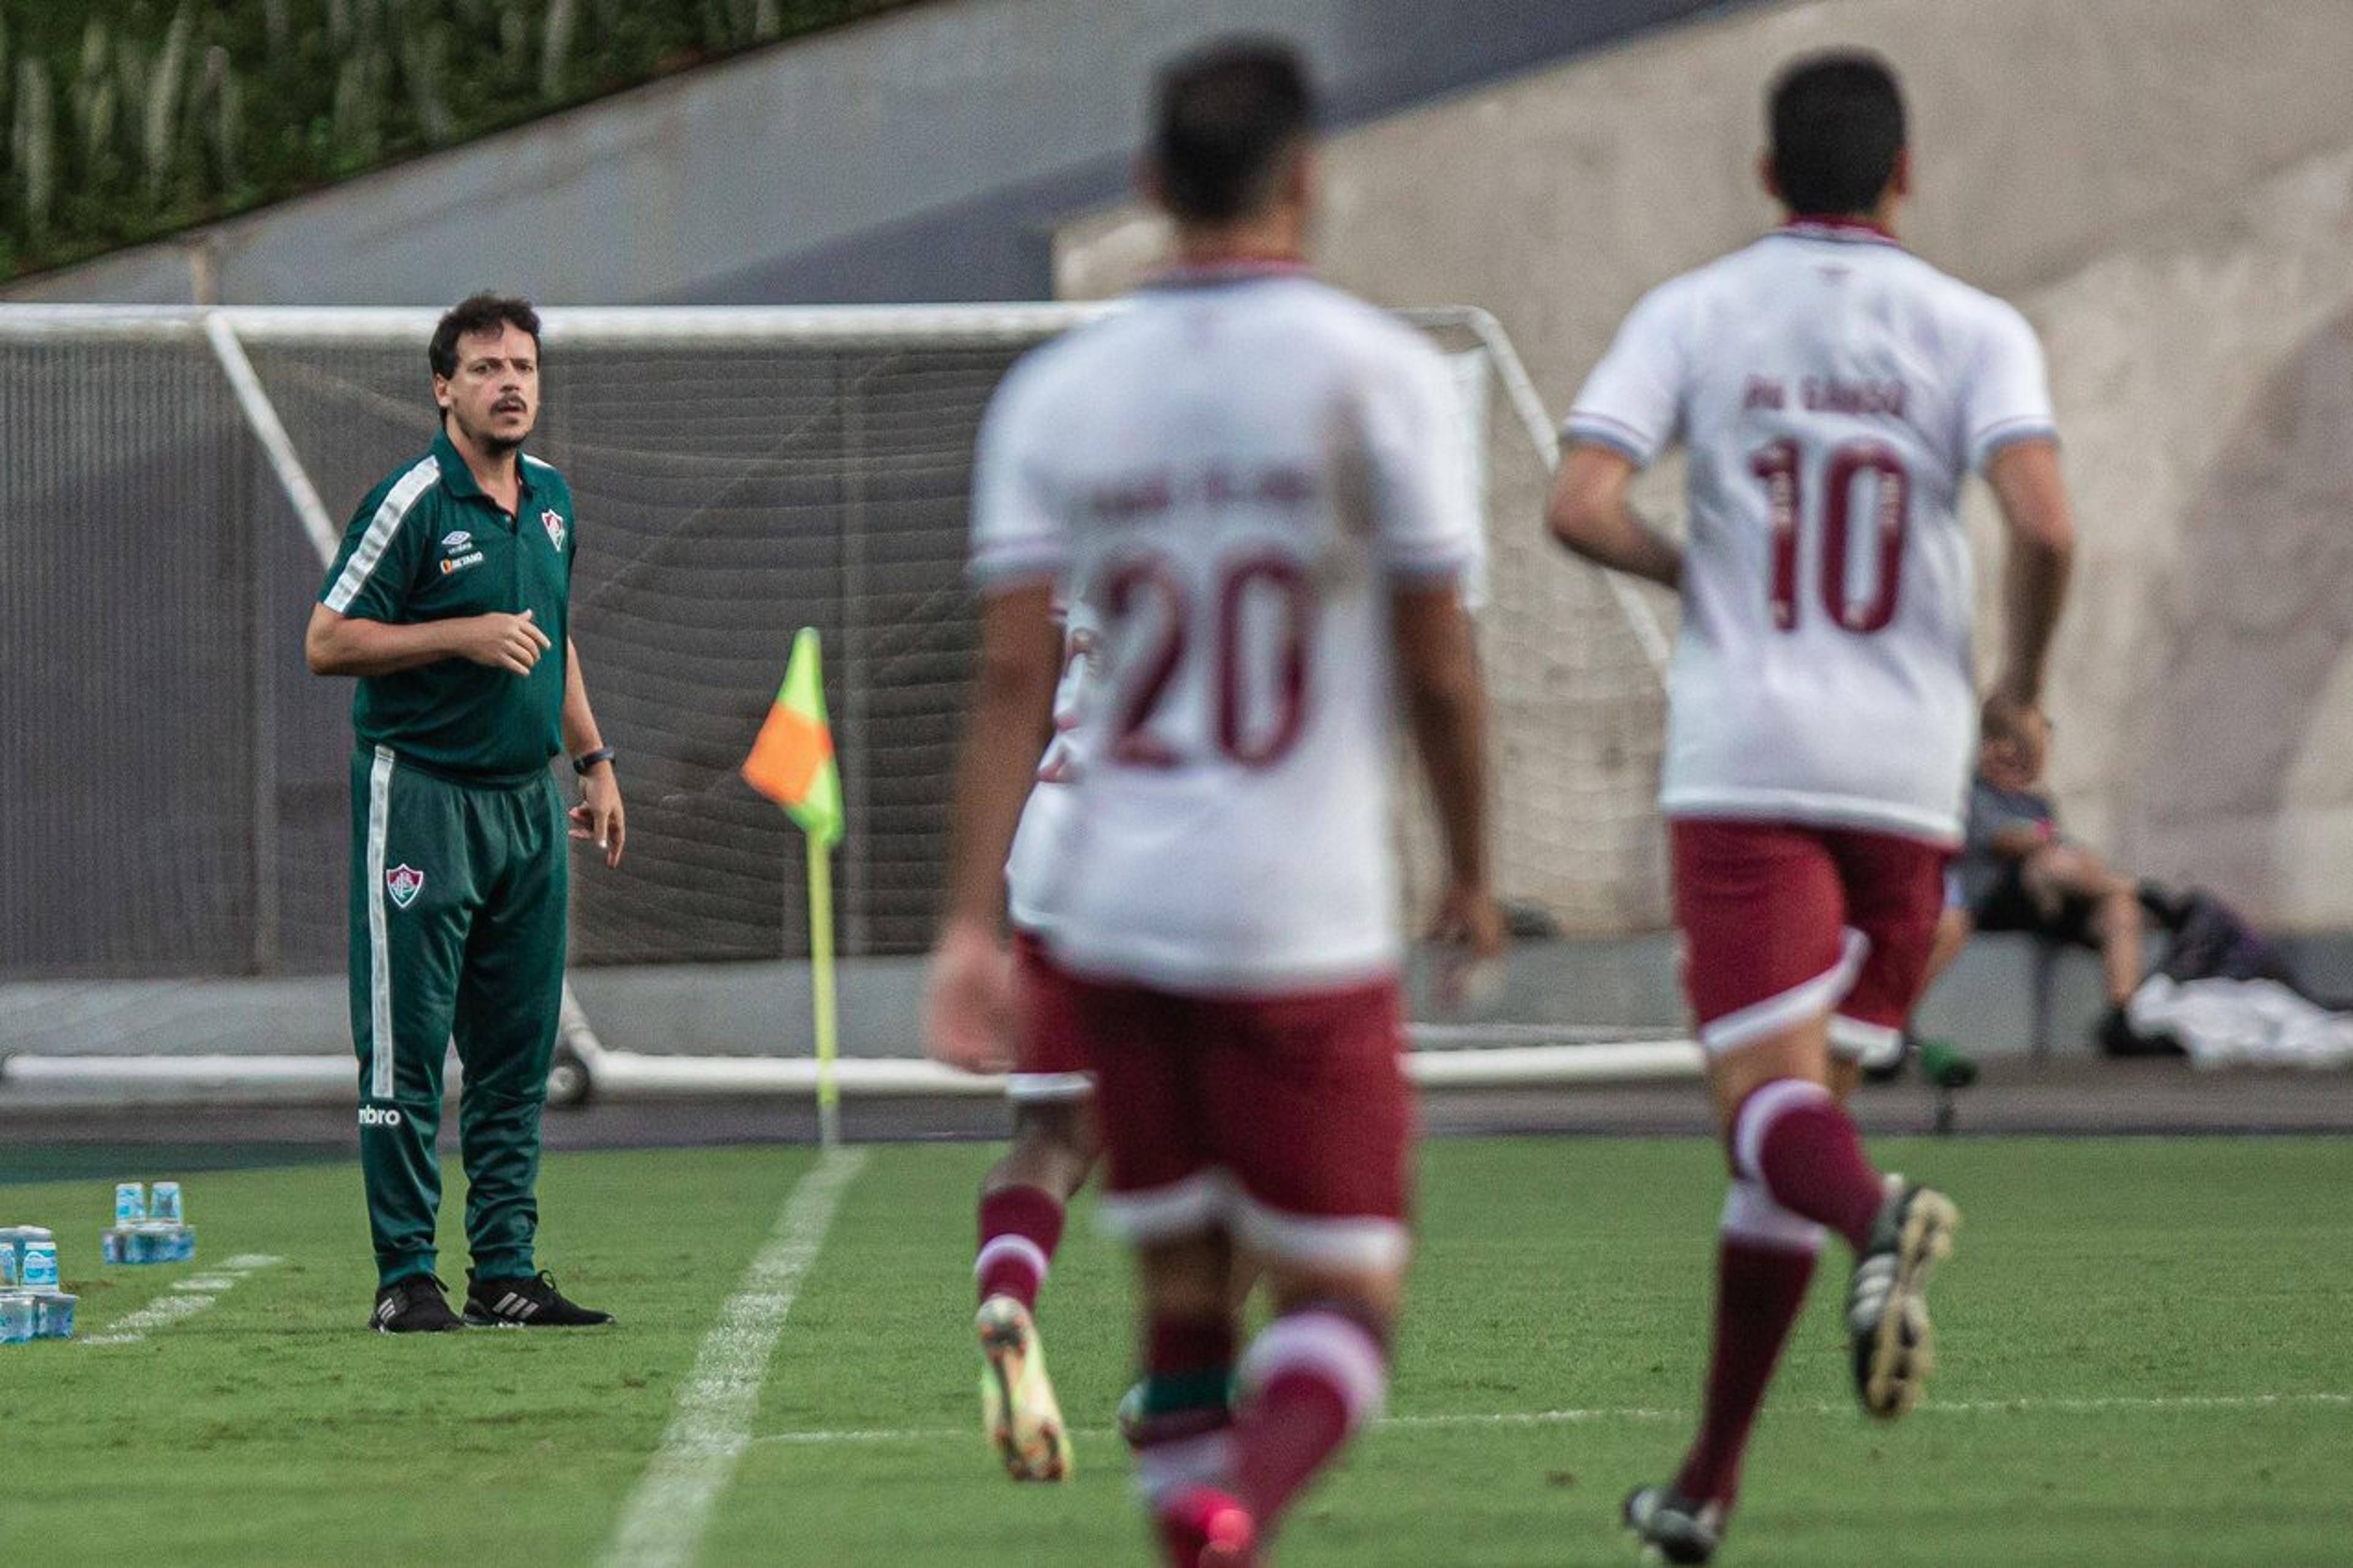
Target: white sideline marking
{"type": "Point", "coordinates": [2093, 1407]}
{"type": "Point", "coordinates": [662, 1522]}
{"type": "Point", "coordinates": [185, 1299]}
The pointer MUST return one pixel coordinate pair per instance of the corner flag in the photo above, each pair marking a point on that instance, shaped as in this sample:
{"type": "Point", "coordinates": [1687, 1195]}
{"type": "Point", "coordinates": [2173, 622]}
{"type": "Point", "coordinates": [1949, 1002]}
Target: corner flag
{"type": "Point", "coordinates": [792, 762]}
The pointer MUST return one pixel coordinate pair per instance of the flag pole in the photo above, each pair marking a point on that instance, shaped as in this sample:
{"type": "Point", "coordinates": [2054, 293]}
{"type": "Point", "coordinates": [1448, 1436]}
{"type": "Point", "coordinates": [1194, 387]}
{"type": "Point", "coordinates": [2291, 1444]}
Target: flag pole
{"type": "Point", "coordinates": [792, 762]}
{"type": "Point", "coordinates": [829, 1090]}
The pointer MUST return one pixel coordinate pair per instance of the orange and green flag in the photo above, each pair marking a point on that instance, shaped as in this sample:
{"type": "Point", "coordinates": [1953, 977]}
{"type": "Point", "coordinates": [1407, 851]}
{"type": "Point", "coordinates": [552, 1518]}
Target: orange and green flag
{"type": "Point", "coordinates": [792, 762]}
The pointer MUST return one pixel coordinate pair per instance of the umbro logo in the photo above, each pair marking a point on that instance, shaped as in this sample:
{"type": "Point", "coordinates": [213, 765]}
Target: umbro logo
{"type": "Point", "coordinates": [404, 882]}
{"type": "Point", "coordinates": [379, 1116]}
{"type": "Point", "coordinates": [456, 540]}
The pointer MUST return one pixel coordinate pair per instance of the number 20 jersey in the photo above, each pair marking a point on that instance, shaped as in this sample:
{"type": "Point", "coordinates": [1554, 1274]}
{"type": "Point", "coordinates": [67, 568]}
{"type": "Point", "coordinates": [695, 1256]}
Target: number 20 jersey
{"type": "Point", "coordinates": [1833, 391]}
{"type": "Point", "coordinates": [1233, 472]}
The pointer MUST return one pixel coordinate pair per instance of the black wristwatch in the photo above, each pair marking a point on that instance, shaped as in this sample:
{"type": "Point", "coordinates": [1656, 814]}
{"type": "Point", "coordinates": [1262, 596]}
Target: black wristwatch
{"type": "Point", "coordinates": [586, 760]}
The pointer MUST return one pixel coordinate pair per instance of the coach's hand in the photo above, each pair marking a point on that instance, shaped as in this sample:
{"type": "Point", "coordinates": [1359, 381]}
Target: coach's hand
{"type": "Point", "coordinates": [1469, 927]}
{"type": "Point", "coordinates": [502, 641]}
{"type": "Point", "coordinates": [598, 817]}
{"type": "Point", "coordinates": [968, 1006]}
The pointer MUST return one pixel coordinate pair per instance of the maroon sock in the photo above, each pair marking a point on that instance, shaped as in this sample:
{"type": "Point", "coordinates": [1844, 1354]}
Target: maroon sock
{"type": "Point", "coordinates": [1795, 1140]}
{"type": "Point", "coordinates": [1182, 1434]}
{"type": "Point", "coordinates": [1760, 1284]}
{"type": "Point", "coordinates": [1314, 1376]}
{"type": "Point", "coordinates": [1019, 1228]}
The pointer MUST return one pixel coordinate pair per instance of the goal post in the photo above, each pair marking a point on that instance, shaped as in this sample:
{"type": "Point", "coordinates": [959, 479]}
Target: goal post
{"type": "Point", "coordinates": [740, 472]}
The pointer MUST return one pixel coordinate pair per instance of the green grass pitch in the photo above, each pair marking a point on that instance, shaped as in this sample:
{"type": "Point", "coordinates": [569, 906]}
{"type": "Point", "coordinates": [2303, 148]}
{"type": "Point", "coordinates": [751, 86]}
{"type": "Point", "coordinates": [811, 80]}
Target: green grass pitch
{"type": "Point", "coordinates": [2147, 1357]}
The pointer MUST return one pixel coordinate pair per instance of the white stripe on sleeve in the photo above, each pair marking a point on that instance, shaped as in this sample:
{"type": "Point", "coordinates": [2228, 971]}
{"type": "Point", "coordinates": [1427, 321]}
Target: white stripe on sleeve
{"type": "Point", "coordinates": [380, 530]}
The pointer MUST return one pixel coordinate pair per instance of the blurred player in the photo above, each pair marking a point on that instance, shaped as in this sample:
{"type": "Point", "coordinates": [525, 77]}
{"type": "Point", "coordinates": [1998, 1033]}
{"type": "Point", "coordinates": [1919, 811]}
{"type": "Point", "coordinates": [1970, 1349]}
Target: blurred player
{"type": "Point", "coordinates": [1833, 392]}
{"type": "Point", "coordinates": [1023, 1197]}
{"type": "Point", "coordinates": [1258, 482]}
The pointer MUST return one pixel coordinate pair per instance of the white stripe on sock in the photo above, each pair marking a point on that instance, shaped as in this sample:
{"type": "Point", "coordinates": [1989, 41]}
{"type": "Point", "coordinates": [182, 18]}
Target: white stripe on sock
{"type": "Point", "coordinates": [1751, 1214]}
{"type": "Point", "coordinates": [1327, 1345]}
{"type": "Point", "coordinates": [1162, 1469]}
{"type": "Point", "coordinates": [1765, 1106]}
{"type": "Point", "coordinates": [1019, 1247]}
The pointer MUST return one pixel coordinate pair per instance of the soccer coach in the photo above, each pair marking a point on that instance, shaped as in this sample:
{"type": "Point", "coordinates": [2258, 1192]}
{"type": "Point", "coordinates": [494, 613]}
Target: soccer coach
{"type": "Point", "coordinates": [447, 599]}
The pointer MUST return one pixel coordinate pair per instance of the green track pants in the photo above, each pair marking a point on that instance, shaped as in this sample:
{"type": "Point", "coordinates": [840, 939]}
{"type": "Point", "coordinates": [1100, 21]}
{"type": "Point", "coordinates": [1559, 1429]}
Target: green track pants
{"type": "Point", "coordinates": [457, 933]}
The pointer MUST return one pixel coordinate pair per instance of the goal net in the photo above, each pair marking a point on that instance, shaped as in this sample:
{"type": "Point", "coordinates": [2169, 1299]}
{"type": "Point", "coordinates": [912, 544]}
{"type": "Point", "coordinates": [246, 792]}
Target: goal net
{"type": "Point", "coordinates": [180, 828]}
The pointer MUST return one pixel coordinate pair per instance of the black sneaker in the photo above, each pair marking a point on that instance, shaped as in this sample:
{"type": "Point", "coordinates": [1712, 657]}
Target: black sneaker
{"type": "Point", "coordinates": [1887, 1306]}
{"type": "Point", "coordinates": [2114, 1036]}
{"type": "Point", "coordinates": [412, 1306]}
{"type": "Point", "coordinates": [1672, 1527]}
{"type": "Point", "coordinates": [532, 1303]}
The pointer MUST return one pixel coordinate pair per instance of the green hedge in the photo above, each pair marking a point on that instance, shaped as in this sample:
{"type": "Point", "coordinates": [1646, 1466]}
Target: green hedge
{"type": "Point", "coordinates": [127, 122]}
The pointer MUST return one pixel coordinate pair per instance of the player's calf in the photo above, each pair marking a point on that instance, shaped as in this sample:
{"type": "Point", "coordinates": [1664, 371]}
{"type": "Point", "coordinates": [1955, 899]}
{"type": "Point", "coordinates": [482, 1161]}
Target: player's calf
{"type": "Point", "coordinates": [1310, 1382]}
{"type": "Point", "coordinates": [1180, 1419]}
{"type": "Point", "coordinates": [1791, 1136]}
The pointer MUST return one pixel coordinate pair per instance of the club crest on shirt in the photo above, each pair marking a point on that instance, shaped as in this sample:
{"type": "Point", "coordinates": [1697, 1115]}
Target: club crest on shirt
{"type": "Point", "coordinates": [404, 882]}
{"type": "Point", "coordinates": [555, 522]}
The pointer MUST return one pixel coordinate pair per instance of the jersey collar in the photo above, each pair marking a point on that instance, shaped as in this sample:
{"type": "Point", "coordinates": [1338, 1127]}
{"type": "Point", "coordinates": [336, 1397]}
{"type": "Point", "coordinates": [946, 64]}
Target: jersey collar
{"type": "Point", "coordinates": [459, 479]}
{"type": "Point", "coordinates": [1840, 231]}
{"type": "Point", "coordinates": [1223, 274]}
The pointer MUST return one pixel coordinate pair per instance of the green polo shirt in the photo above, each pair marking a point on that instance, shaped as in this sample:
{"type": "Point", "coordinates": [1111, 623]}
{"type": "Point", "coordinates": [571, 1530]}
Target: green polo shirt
{"type": "Point", "coordinates": [428, 545]}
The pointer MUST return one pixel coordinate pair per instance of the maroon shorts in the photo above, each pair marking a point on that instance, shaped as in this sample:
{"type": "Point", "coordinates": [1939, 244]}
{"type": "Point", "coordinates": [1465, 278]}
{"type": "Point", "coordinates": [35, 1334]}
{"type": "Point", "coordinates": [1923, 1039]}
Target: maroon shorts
{"type": "Point", "coordinates": [1284, 1120]}
{"type": "Point", "coordinates": [1047, 1065]}
{"type": "Point", "coordinates": [1782, 922]}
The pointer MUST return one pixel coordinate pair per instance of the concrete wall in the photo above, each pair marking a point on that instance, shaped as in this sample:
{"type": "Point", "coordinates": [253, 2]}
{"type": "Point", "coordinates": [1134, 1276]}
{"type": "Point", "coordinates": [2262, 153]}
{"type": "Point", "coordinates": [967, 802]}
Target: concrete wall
{"type": "Point", "coordinates": [2162, 184]}
{"type": "Point", "coordinates": [922, 155]}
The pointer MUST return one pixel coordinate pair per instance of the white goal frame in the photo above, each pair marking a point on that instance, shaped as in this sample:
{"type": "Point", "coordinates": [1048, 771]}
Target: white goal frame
{"type": "Point", "coordinates": [1538, 1056]}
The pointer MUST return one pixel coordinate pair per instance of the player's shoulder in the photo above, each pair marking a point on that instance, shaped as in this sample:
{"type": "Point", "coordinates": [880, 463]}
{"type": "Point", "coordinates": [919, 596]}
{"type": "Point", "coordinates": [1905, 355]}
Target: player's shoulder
{"type": "Point", "coordinates": [1964, 304]}
{"type": "Point", "coordinates": [1055, 371]}
{"type": "Point", "coordinates": [1671, 309]}
{"type": "Point", "coordinates": [403, 490]}
{"type": "Point", "coordinates": [1353, 333]}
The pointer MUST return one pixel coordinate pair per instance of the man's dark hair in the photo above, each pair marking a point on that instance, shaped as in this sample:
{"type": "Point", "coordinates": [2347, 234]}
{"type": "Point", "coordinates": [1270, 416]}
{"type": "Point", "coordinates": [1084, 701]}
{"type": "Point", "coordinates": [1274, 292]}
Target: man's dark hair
{"type": "Point", "coordinates": [1837, 125]}
{"type": "Point", "coordinates": [481, 313]}
{"type": "Point", "coordinates": [1227, 117]}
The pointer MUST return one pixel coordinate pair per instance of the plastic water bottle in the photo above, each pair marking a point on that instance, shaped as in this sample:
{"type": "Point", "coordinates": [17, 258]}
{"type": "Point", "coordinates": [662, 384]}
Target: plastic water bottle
{"type": "Point", "coordinates": [17, 1317]}
{"type": "Point", "coordinates": [53, 1316]}
{"type": "Point", "coordinates": [130, 1202]}
{"type": "Point", "coordinates": [12, 1252]}
{"type": "Point", "coordinates": [164, 1204]}
{"type": "Point", "coordinates": [39, 1268]}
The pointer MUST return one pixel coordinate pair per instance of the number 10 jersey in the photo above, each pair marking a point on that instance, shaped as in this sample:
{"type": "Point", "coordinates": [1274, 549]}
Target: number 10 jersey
{"type": "Point", "coordinates": [1833, 391]}
{"type": "Point", "coordinates": [1230, 476]}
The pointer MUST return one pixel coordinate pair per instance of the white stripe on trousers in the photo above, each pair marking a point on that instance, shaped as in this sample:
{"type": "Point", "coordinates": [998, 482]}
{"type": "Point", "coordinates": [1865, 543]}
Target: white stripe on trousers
{"type": "Point", "coordinates": [379, 955]}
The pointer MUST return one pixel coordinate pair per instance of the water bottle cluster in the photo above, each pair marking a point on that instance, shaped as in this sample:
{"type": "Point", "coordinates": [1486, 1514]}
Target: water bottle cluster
{"type": "Point", "coordinates": [148, 1228]}
{"type": "Point", "coordinates": [33, 1305]}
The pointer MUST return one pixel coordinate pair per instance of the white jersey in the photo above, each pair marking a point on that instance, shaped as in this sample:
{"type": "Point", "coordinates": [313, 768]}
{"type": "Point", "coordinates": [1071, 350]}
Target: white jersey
{"type": "Point", "coordinates": [1030, 862]}
{"type": "Point", "coordinates": [1833, 391]}
{"type": "Point", "coordinates": [1238, 469]}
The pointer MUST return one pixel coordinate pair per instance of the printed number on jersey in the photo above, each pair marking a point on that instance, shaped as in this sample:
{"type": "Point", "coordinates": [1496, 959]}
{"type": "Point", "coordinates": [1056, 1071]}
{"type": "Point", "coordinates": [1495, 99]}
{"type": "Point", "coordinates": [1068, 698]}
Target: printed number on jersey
{"type": "Point", "coordinates": [1256, 644]}
{"type": "Point", "coordinates": [1862, 489]}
